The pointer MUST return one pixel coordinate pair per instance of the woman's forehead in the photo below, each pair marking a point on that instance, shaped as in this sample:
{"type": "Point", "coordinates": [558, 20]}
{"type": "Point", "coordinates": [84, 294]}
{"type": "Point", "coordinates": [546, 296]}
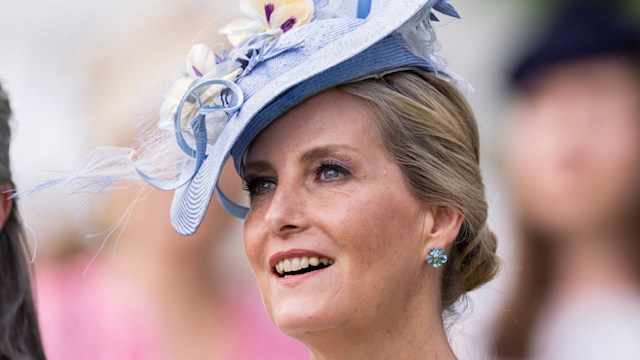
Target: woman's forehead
{"type": "Point", "coordinates": [332, 118]}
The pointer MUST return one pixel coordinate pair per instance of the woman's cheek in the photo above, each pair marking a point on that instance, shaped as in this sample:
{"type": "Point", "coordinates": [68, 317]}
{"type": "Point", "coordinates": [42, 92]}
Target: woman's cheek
{"type": "Point", "coordinates": [252, 245]}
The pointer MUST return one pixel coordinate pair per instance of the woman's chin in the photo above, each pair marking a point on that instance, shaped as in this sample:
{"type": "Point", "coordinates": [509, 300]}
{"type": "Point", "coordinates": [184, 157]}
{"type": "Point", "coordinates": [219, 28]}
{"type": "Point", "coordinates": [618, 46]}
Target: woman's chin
{"type": "Point", "coordinates": [304, 303]}
{"type": "Point", "coordinates": [297, 318]}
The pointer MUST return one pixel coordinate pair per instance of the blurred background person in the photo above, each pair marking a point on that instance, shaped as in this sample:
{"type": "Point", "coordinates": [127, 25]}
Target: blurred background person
{"type": "Point", "coordinates": [571, 158]}
{"type": "Point", "coordinates": [19, 334]}
{"type": "Point", "coordinates": [150, 293]}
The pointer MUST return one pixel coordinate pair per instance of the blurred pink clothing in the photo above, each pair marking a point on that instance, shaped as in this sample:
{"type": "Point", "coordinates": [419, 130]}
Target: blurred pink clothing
{"type": "Point", "coordinates": [89, 318]}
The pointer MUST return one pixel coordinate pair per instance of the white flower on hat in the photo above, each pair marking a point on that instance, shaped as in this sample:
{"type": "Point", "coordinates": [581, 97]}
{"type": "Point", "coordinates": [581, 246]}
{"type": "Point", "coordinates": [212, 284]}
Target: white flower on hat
{"type": "Point", "coordinates": [201, 60]}
{"type": "Point", "coordinates": [201, 64]}
{"type": "Point", "coordinates": [268, 16]}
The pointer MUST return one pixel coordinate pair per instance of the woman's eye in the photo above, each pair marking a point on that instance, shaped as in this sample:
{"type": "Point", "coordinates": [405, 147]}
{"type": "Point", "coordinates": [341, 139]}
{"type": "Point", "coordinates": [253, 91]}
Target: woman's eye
{"type": "Point", "coordinates": [330, 172]}
{"type": "Point", "coordinates": [260, 186]}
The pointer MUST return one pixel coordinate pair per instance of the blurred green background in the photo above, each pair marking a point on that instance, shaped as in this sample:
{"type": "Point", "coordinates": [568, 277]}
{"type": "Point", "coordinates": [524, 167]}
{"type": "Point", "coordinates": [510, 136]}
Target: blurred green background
{"type": "Point", "coordinates": [632, 7]}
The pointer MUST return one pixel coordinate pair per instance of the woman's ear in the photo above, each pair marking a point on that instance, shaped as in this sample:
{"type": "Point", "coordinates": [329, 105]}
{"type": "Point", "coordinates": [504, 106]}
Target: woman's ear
{"type": "Point", "coordinates": [441, 227]}
{"type": "Point", "coordinates": [6, 203]}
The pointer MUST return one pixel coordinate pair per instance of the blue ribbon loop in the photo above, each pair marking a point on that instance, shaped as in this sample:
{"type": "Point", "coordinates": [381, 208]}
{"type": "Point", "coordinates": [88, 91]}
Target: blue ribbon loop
{"type": "Point", "coordinates": [364, 8]}
{"type": "Point", "coordinates": [199, 127]}
{"type": "Point", "coordinates": [231, 207]}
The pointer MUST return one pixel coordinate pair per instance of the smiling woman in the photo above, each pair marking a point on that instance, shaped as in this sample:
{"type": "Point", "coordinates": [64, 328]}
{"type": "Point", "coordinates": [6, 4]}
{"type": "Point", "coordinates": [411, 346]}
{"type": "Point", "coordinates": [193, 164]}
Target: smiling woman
{"type": "Point", "coordinates": [368, 215]}
{"type": "Point", "coordinates": [349, 192]}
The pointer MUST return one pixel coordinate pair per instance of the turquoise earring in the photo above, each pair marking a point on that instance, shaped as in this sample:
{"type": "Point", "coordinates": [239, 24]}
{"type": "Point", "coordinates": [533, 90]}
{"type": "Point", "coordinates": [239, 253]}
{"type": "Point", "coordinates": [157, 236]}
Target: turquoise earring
{"type": "Point", "coordinates": [436, 257]}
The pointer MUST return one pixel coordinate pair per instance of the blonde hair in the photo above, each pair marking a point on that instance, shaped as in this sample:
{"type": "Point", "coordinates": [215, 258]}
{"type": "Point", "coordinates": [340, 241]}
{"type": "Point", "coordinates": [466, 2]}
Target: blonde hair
{"type": "Point", "coordinates": [429, 129]}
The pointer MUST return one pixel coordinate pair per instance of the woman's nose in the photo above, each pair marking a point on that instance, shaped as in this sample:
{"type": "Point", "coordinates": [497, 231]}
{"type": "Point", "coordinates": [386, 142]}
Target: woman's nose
{"type": "Point", "coordinates": [286, 213]}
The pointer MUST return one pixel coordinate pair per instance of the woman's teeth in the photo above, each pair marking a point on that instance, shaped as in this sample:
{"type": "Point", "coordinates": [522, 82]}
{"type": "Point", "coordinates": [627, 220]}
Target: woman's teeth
{"type": "Point", "coordinates": [291, 265]}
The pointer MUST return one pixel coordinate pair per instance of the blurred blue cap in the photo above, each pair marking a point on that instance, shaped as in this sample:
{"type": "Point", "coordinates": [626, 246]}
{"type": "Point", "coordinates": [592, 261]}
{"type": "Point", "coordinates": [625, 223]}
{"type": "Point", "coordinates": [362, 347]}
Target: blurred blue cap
{"type": "Point", "coordinates": [582, 30]}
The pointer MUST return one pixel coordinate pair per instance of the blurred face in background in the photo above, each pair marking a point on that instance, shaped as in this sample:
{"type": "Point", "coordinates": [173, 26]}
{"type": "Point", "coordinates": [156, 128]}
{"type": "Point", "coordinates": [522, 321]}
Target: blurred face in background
{"type": "Point", "coordinates": [572, 146]}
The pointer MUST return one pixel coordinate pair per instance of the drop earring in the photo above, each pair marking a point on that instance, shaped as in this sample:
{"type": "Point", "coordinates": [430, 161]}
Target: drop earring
{"type": "Point", "coordinates": [436, 257]}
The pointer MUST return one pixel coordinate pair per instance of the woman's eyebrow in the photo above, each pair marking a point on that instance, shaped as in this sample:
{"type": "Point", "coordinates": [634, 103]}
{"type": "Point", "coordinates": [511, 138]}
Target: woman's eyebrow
{"type": "Point", "coordinates": [309, 156]}
{"type": "Point", "coordinates": [258, 166]}
{"type": "Point", "coordinates": [324, 151]}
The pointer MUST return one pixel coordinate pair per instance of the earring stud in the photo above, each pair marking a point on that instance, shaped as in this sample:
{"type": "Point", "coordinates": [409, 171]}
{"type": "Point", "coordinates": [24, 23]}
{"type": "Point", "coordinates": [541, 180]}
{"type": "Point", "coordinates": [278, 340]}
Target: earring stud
{"type": "Point", "coordinates": [436, 257]}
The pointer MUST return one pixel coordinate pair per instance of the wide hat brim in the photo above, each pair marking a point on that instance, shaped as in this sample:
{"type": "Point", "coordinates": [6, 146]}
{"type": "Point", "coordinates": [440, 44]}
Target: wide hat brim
{"type": "Point", "coordinates": [324, 54]}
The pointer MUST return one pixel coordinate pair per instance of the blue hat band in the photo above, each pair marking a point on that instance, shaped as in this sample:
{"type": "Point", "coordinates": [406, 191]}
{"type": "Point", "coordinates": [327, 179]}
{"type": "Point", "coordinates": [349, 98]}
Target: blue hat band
{"type": "Point", "coordinates": [389, 53]}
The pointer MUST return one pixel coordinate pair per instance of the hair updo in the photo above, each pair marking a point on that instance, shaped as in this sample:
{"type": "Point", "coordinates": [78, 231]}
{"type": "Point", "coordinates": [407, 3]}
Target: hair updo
{"type": "Point", "coordinates": [427, 126]}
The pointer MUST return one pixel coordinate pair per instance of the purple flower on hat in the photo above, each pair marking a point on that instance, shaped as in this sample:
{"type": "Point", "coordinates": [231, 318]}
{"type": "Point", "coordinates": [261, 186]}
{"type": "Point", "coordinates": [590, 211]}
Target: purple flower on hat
{"type": "Point", "coordinates": [268, 16]}
{"type": "Point", "coordinates": [268, 10]}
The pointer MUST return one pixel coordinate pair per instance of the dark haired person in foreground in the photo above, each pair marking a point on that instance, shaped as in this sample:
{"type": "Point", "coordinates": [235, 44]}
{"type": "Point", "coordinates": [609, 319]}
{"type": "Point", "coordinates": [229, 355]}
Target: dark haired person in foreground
{"type": "Point", "coordinates": [19, 334]}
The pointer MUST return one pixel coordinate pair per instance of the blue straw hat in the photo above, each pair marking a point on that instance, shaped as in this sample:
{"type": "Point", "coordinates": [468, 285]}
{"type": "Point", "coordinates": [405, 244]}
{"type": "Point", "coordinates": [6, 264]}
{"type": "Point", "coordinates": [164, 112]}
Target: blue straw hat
{"type": "Point", "coordinates": [285, 52]}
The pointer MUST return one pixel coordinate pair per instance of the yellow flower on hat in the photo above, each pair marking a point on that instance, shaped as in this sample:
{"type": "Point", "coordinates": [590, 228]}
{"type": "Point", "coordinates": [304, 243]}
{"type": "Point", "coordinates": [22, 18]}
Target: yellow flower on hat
{"type": "Point", "coordinates": [268, 16]}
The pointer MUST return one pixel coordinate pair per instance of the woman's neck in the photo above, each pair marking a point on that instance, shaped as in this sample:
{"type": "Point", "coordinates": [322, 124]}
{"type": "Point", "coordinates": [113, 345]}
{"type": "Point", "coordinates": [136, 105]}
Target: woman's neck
{"type": "Point", "coordinates": [416, 333]}
{"type": "Point", "coordinates": [378, 343]}
{"type": "Point", "coordinates": [384, 345]}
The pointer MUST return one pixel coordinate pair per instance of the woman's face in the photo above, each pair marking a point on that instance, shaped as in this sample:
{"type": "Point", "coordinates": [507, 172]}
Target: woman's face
{"type": "Point", "coordinates": [573, 146]}
{"type": "Point", "coordinates": [334, 237]}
